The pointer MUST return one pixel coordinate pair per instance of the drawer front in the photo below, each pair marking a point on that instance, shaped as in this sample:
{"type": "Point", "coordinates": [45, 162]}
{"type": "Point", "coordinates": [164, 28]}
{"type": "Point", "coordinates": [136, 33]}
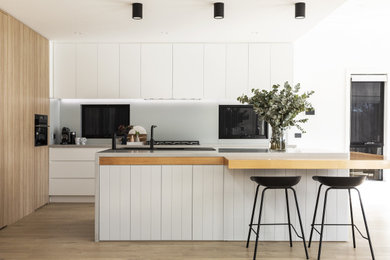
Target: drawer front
{"type": "Point", "coordinates": [73, 154]}
{"type": "Point", "coordinates": [69, 187]}
{"type": "Point", "coordinates": [72, 169]}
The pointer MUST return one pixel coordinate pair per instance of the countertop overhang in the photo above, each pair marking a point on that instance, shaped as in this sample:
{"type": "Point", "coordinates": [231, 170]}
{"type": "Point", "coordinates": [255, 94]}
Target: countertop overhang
{"type": "Point", "coordinates": [289, 160]}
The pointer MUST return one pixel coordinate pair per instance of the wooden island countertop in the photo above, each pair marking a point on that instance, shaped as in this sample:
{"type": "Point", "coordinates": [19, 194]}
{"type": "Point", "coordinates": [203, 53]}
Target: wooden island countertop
{"type": "Point", "coordinates": [289, 160]}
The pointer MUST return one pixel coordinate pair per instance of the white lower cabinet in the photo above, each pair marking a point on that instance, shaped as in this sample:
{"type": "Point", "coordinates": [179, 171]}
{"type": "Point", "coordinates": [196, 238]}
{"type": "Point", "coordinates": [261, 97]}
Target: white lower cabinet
{"type": "Point", "coordinates": [163, 202]}
{"type": "Point", "coordinates": [71, 187]}
{"type": "Point", "coordinates": [72, 174]}
{"type": "Point", "coordinates": [176, 200]}
{"type": "Point", "coordinates": [130, 202]}
{"type": "Point", "coordinates": [205, 202]}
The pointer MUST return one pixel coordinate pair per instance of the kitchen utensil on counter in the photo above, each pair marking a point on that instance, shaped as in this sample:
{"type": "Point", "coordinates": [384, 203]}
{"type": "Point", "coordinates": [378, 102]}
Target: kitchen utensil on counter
{"type": "Point", "coordinates": [142, 136]}
{"type": "Point", "coordinates": [72, 137]}
{"type": "Point", "coordinates": [78, 140]}
{"type": "Point", "coordinates": [65, 135]}
{"type": "Point", "coordinates": [139, 129]}
{"type": "Point", "coordinates": [83, 141]}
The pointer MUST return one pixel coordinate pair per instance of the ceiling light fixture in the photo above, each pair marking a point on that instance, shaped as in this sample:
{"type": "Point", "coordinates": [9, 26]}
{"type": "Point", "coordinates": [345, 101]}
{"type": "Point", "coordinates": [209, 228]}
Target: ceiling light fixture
{"type": "Point", "coordinates": [300, 10]}
{"type": "Point", "coordinates": [219, 10]}
{"type": "Point", "coordinates": [137, 11]}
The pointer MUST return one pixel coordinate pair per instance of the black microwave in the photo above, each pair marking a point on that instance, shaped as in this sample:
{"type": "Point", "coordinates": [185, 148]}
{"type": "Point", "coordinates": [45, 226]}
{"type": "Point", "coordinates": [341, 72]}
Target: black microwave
{"type": "Point", "coordinates": [240, 122]}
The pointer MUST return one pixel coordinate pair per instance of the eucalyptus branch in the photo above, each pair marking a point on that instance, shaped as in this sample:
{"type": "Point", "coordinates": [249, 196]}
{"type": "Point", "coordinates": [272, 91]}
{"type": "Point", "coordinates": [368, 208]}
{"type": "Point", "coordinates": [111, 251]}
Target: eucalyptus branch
{"type": "Point", "coordinates": [280, 106]}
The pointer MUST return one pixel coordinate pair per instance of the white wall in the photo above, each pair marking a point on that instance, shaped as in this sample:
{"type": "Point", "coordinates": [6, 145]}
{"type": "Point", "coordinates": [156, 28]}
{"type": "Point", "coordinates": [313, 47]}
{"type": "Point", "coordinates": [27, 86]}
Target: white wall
{"type": "Point", "coordinates": [355, 38]}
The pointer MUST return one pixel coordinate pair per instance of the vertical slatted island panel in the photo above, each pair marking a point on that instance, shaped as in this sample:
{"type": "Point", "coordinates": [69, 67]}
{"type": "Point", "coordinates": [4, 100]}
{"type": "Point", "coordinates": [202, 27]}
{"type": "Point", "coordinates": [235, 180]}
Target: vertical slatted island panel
{"type": "Point", "coordinates": [205, 202]}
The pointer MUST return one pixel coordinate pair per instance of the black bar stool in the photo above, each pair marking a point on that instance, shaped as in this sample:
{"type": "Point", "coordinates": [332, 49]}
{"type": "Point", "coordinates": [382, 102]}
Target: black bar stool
{"type": "Point", "coordinates": [339, 183]}
{"type": "Point", "coordinates": [284, 183]}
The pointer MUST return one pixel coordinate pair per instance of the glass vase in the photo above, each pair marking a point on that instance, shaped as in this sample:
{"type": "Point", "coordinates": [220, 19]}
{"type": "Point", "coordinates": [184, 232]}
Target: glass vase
{"type": "Point", "coordinates": [277, 142]}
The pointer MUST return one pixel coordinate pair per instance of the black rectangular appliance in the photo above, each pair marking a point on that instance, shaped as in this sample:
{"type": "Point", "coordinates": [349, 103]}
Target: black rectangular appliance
{"type": "Point", "coordinates": [101, 121]}
{"type": "Point", "coordinates": [40, 129]}
{"type": "Point", "coordinates": [367, 122]}
{"type": "Point", "coordinates": [240, 122]}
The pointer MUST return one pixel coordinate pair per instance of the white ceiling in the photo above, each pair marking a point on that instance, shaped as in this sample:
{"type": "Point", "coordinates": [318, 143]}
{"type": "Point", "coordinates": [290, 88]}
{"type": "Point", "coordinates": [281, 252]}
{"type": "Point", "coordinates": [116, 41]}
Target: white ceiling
{"type": "Point", "coordinates": [168, 20]}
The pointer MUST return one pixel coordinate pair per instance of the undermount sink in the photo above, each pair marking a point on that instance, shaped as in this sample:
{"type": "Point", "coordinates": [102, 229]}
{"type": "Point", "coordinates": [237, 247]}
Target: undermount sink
{"type": "Point", "coordinates": [243, 150]}
{"type": "Point", "coordinates": [169, 148]}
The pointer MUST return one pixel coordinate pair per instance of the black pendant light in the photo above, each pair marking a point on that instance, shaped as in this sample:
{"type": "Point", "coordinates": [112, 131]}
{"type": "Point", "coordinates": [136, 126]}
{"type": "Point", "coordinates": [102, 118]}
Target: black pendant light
{"type": "Point", "coordinates": [219, 10]}
{"type": "Point", "coordinates": [137, 11]}
{"type": "Point", "coordinates": [300, 10]}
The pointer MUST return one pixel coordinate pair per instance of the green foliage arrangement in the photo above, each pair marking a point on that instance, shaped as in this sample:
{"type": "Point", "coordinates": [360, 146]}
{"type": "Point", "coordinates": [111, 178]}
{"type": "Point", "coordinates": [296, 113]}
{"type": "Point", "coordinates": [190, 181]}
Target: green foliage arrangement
{"type": "Point", "coordinates": [280, 107]}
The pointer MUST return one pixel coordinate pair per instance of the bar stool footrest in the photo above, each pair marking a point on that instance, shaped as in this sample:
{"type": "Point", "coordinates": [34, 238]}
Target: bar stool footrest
{"type": "Point", "coordinates": [276, 224]}
{"type": "Point", "coordinates": [358, 230]}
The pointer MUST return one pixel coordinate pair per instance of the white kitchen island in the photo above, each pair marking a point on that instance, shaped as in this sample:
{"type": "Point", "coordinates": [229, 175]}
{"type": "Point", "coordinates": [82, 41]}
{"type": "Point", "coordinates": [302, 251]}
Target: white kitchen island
{"type": "Point", "coordinates": [206, 195]}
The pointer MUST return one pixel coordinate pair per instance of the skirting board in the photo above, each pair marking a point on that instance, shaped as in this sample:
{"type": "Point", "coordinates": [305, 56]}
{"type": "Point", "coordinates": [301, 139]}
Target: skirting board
{"type": "Point", "coordinates": [72, 199]}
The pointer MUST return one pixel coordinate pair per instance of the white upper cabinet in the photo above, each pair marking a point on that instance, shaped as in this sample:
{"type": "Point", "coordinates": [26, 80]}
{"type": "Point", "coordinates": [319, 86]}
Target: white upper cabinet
{"type": "Point", "coordinates": [214, 71]}
{"type": "Point", "coordinates": [156, 70]}
{"type": "Point", "coordinates": [259, 75]}
{"type": "Point", "coordinates": [236, 70]}
{"type": "Point", "coordinates": [130, 71]}
{"type": "Point", "coordinates": [64, 70]}
{"type": "Point", "coordinates": [162, 70]}
{"type": "Point", "coordinates": [187, 70]}
{"type": "Point", "coordinates": [108, 71]}
{"type": "Point", "coordinates": [86, 70]}
{"type": "Point", "coordinates": [282, 62]}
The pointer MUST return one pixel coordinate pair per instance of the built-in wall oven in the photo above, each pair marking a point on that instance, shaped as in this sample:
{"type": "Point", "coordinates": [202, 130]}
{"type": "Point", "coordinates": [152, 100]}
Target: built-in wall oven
{"type": "Point", "coordinates": [41, 130]}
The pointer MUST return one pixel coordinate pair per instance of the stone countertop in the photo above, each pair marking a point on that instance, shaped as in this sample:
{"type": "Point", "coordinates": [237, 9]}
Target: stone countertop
{"type": "Point", "coordinates": [289, 154]}
{"type": "Point", "coordinates": [80, 146]}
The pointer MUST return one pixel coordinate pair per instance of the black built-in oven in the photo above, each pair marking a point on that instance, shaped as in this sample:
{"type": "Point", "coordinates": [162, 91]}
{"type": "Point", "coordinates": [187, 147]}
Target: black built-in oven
{"type": "Point", "coordinates": [41, 130]}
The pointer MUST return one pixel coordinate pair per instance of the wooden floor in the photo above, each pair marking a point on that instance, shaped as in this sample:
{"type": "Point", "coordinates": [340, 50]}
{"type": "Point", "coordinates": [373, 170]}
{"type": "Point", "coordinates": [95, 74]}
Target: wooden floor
{"type": "Point", "coordinates": [66, 231]}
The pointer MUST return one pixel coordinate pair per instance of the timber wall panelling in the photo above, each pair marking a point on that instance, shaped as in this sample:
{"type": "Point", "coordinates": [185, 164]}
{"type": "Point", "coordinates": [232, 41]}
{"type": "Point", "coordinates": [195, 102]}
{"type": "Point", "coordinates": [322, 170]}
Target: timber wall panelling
{"type": "Point", "coordinates": [24, 80]}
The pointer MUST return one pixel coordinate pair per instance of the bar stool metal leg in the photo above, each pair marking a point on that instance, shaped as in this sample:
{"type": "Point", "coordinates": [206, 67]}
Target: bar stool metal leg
{"type": "Point", "coordinates": [288, 218]}
{"type": "Point", "coordinates": [315, 214]}
{"type": "Point", "coordinates": [258, 223]}
{"type": "Point", "coordinates": [322, 224]}
{"type": "Point", "coordinates": [253, 214]}
{"type": "Point", "coordinates": [300, 222]}
{"type": "Point", "coordinates": [365, 223]}
{"type": "Point", "coordinates": [352, 222]}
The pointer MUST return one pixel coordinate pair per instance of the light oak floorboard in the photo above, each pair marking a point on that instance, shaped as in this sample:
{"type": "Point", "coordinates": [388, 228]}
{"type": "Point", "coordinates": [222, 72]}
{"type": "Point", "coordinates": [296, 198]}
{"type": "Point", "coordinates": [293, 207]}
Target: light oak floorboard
{"type": "Point", "coordinates": [66, 231]}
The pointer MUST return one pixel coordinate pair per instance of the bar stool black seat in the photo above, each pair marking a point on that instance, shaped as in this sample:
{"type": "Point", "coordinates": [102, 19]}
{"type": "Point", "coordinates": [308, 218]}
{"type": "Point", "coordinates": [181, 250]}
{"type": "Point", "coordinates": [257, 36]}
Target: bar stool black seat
{"type": "Point", "coordinates": [280, 182]}
{"type": "Point", "coordinates": [340, 182]}
{"type": "Point", "coordinates": [337, 183]}
{"type": "Point", "coordinates": [276, 182]}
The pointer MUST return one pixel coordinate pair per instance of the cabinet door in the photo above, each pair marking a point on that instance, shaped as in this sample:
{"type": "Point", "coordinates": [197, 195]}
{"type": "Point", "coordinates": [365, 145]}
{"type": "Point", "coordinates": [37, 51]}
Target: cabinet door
{"type": "Point", "coordinates": [64, 70]}
{"type": "Point", "coordinates": [108, 71]}
{"type": "Point", "coordinates": [86, 70]}
{"type": "Point", "coordinates": [208, 202]}
{"type": "Point", "coordinates": [145, 202]}
{"type": "Point", "coordinates": [282, 59]}
{"type": "Point", "coordinates": [176, 202]}
{"type": "Point", "coordinates": [71, 187]}
{"type": "Point", "coordinates": [259, 66]}
{"type": "Point", "coordinates": [188, 70]}
{"type": "Point", "coordinates": [214, 71]}
{"type": "Point", "coordinates": [130, 71]}
{"type": "Point", "coordinates": [156, 70]}
{"type": "Point", "coordinates": [236, 70]}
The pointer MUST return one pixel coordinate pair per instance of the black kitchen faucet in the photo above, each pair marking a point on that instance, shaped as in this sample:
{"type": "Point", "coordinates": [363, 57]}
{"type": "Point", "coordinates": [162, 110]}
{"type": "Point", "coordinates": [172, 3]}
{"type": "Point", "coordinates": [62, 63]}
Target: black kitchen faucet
{"type": "Point", "coordinates": [151, 137]}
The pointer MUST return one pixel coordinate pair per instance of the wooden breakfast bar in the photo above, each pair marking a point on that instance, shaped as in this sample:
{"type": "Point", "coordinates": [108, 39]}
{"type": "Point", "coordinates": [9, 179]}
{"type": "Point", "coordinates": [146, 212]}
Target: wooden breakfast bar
{"type": "Point", "coordinates": [163, 195]}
